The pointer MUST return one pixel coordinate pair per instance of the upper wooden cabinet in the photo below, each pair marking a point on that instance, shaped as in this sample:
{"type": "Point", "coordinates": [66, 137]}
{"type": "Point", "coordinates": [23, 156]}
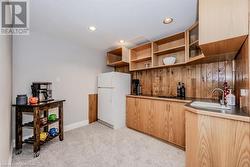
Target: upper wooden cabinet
{"type": "Point", "coordinates": [141, 57]}
{"type": "Point", "coordinates": [118, 57]}
{"type": "Point", "coordinates": [223, 26]}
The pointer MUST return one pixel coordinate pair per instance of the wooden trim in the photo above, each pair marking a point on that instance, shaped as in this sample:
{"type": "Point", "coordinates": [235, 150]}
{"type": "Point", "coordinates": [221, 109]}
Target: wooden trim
{"type": "Point", "coordinates": [141, 59]}
{"type": "Point", "coordinates": [186, 46]}
{"type": "Point", "coordinates": [93, 100]}
{"type": "Point", "coordinates": [118, 64]}
{"type": "Point", "coordinates": [170, 50]}
{"type": "Point", "coordinates": [159, 98]}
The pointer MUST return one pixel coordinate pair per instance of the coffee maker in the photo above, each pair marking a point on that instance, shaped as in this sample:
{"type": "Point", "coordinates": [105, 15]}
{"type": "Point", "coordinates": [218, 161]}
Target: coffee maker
{"type": "Point", "coordinates": [136, 87]}
{"type": "Point", "coordinates": [42, 90]}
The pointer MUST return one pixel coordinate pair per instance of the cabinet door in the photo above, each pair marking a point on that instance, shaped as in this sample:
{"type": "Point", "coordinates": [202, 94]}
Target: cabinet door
{"type": "Point", "coordinates": [158, 119]}
{"type": "Point", "coordinates": [223, 19]}
{"type": "Point", "coordinates": [223, 26]}
{"type": "Point", "coordinates": [177, 123]}
{"type": "Point", "coordinates": [143, 107]}
{"type": "Point", "coordinates": [221, 142]}
{"type": "Point", "coordinates": [131, 114]}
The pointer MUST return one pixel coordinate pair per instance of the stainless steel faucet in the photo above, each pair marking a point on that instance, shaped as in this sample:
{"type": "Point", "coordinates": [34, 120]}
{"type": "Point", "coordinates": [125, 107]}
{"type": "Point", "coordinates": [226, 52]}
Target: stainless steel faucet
{"type": "Point", "coordinates": [222, 101]}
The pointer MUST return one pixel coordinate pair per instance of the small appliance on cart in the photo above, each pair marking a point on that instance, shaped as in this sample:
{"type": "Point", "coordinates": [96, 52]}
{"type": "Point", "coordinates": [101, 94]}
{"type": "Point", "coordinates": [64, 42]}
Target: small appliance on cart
{"type": "Point", "coordinates": [42, 90]}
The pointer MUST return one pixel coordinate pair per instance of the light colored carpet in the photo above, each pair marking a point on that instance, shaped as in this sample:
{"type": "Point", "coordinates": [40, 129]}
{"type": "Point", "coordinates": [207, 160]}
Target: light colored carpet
{"type": "Point", "coordinates": [96, 145]}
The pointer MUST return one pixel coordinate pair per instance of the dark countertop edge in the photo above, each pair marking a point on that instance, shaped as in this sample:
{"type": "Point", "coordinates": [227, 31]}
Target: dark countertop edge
{"type": "Point", "coordinates": [236, 114]}
{"type": "Point", "coordinates": [233, 116]}
{"type": "Point", "coordinates": [38, 104]}
{"type": "Point", "coordinates": [186, 100]}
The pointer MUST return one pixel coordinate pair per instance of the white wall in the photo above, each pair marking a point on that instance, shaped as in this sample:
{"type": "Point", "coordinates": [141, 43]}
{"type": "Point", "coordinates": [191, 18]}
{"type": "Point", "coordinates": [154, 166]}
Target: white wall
{"type": "Point", "coordinates": [72, 70]}
{"type": "Point", "coordinates": [5, 98]}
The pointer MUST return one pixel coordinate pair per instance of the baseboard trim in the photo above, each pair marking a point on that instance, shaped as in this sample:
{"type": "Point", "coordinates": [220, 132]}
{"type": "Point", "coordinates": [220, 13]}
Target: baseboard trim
{"type": "Point", "coordinates": [76, 125]}
{"type": "Point", "coordinates": [11, 152]}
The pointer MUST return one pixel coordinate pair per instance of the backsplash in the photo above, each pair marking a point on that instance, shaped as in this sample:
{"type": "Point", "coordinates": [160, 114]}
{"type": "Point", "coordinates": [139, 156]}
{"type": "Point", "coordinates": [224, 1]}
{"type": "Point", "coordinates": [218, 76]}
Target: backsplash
{"type": "Point", "coordinates": [199, 79]}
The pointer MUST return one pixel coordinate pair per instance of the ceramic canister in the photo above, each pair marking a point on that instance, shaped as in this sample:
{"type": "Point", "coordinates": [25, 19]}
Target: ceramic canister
{"type": "Point", "coordinates": [21, 99]}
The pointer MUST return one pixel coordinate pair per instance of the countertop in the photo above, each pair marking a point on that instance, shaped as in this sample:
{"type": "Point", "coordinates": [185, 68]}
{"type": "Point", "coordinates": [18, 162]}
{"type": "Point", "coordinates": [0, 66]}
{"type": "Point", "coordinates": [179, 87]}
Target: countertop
{"type": "Point", "coordinates": [235, 113]}
{"type": "Point", "coordinates": [166, 98]}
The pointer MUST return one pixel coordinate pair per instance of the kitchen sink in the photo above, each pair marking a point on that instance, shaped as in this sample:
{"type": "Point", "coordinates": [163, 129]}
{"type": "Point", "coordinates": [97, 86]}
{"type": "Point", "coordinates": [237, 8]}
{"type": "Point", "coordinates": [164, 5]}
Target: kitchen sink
{"type": "Point", "coordinates": [209, 105]}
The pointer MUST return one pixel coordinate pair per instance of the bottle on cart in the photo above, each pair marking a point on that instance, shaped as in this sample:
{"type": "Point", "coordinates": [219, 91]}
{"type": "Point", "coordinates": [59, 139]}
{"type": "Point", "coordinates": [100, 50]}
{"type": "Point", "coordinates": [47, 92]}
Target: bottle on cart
{"type": "Point", "coordinates": [179, 89]}
{"type": "Point", "coordinates": [183, 91]}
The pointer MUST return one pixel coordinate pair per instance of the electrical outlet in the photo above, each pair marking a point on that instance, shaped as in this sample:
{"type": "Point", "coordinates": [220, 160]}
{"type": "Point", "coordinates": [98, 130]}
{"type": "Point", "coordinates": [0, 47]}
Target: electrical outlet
{"type": "Point", "coordinates": [243, 92]}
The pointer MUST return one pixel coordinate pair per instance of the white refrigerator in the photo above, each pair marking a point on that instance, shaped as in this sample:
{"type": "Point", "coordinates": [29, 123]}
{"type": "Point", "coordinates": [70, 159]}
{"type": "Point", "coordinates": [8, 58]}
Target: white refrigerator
{"type": "Point", "coordinates": [112, 90]}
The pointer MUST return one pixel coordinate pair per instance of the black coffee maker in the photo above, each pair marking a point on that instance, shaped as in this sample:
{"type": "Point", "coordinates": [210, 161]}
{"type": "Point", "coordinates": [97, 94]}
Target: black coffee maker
{"type": "Point", "coordinates": [42, 90]}
{"type": "Point", "coordinates": [136, 87]}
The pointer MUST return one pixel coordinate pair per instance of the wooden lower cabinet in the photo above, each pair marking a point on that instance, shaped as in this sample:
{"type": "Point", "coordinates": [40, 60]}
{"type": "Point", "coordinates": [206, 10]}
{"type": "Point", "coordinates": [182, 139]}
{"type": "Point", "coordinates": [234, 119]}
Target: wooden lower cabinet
{"type": "Point", "coordinates": [137, 113]}
{"type": "Point", "coordinates": [161, 119]}
{"type": "Point", "coordinates": [131, 113]}
{"type": "Point", "coordinates": [158, 119]}
{"type": "Point", "coordinates": [177, 123]}
{"type": "Point", "coordinates": [216, 142]}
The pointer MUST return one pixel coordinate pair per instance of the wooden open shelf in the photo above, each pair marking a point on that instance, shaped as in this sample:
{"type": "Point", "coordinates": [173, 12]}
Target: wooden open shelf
{"type": "Point", "coordinates": [196, 59]}
{"type": "Point", "coordinates": [118, 57]}
{"type": "Point", "coordinates": [118, 64]}
{"type": "Point", "coordinates": [170, 50]}
{"type": "Point", "coordinates": [194, 43]}
{"type": "Point", "coordinates": [183, 46]}
{"type": "Point", "coordinates": [194, 51]}
{"type": "Point", "coordinates": [173, 46]}
{"type": "Point", "coordinates": [161, 66]}
{"type": "Point", "coordinates": [141, 57]}
{"type": "Point", "coordinates": [173, 65]}
{"type": "Point", "coordinates": [169, 42]}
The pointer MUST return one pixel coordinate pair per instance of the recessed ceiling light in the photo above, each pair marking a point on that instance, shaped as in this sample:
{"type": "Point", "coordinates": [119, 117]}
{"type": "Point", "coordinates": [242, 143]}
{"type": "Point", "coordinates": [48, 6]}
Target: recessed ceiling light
{"type": "Point", "coordinates": [92, 28]}
{"type": "Point", "coordinates": [168, 20]}
{"type": "Point", "coordinates": [122, 41]}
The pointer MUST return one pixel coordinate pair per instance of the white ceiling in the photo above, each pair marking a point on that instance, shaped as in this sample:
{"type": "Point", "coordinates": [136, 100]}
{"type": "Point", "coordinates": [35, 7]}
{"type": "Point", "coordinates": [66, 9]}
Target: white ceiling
{"type": "Point", "coordinates": [131, 20]}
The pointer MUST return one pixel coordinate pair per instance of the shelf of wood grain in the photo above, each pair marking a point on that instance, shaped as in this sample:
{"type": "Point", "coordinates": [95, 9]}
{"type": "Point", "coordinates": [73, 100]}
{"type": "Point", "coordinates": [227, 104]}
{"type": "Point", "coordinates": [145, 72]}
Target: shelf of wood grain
{"type": "Point", "coordinates": [118, 57]}
{"type": "Point", "coordinates": [170, 50]}
{"type": "Point", "coordinates": [141, 59]}
{"type": "Point", "coordinates": [118, 64]}
{"type": "Point", "coordinates": [160, 66]}
{"type": "Point", "coordinates": [194, 43]}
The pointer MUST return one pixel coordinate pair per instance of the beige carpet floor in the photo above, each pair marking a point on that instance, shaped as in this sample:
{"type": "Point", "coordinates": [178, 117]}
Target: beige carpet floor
{"type": "Point", "coordinates": [96, 145]}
